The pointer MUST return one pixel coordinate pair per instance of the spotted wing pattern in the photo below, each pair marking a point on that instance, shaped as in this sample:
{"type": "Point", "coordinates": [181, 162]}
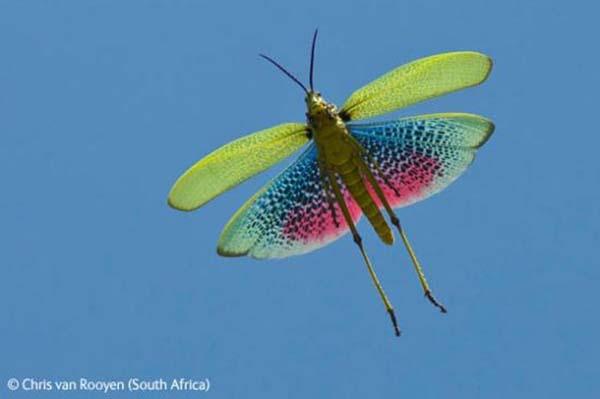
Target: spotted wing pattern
{"type": "Point", "coordinates": [419, 156]}
{"type": "Point", "coordinates": [290, 215]}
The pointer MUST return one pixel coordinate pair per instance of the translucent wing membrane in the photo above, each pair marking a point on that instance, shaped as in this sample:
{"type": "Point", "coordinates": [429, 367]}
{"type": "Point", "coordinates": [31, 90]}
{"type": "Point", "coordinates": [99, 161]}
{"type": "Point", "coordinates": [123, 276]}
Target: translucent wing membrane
{"type": "Point", "coordinates": [290, 215]}
{"type": "Point", "coordinates": [235, 162]}
{"type": "Point", "coordinates": [418, 81]}
{"type": "Point", "coordinates": [419, 156]}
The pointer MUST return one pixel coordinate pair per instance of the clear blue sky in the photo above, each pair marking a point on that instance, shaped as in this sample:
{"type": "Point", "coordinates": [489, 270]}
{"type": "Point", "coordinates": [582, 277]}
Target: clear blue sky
{"type": "Point", "coordinates": [103, 104]}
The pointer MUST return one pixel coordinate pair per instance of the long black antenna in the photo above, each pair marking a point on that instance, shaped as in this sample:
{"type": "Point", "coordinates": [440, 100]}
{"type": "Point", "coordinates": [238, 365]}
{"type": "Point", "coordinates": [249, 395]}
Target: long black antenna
{"type": "Point", "coordinates": [272, 61]}
{"type": "Point", "coordinates": [312, 58]}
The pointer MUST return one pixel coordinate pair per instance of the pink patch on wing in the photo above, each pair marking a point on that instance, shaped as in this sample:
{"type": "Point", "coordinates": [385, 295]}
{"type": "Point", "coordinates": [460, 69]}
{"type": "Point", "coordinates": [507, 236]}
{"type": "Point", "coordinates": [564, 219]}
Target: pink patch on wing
{"type": "Point", "coordinates": [314, 223]}
{"type": "Point", "coordinates": [410, 178]}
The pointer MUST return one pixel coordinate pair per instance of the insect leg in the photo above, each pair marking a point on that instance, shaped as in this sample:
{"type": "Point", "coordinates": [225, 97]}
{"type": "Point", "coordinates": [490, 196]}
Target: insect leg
{"type": "Point", "coordinates": [396, 222]}
{"type": "Point", "coordinates": [358, 241]}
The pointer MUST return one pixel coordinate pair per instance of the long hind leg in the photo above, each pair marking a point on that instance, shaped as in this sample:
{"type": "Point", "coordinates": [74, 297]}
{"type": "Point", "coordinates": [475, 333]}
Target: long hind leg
{"type": "Point", "coordinates": [396, 222]}
{"type": "Point", "coordinates": [358, 241]}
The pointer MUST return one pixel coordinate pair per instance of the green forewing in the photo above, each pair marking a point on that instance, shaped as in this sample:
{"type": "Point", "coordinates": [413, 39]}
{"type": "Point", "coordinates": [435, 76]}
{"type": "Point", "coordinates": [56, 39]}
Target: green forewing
{"type": "Point", "coordinates": [235, 162]}
{"type": "Point", "coordinates": [418, 81]}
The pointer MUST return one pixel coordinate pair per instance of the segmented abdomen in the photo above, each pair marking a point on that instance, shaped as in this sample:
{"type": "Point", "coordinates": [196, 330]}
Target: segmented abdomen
{"type": "Point", "coordinates": [355, 184]}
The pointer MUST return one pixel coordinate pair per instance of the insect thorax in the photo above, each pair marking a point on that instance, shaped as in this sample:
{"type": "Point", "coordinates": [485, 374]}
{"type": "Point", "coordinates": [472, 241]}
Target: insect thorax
{"type": "Point", "coordinates": [323, 117]}
{"type": "Point", "coordinates": [329, 130]}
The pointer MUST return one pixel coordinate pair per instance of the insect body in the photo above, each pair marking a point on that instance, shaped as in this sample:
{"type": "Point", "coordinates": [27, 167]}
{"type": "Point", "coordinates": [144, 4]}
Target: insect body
{"type": "Point", "coordinates": [339, 155]}
{"type": "Point", "coordinates": [349, 168]}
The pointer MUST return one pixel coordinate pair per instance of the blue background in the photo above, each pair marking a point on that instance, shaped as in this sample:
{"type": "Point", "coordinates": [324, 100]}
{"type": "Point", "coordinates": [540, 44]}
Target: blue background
{"type": "Point", "coordinates": [104, 104]}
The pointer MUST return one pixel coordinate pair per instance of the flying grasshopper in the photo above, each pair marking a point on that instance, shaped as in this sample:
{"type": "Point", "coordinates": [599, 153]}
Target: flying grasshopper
{"type": "Point", "coordinates": [347, 169]}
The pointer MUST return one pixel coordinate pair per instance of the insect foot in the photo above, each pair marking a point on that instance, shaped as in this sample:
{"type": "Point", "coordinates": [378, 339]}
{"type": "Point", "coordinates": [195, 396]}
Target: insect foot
{"type": "Point", "coordinates": [435, 303]}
